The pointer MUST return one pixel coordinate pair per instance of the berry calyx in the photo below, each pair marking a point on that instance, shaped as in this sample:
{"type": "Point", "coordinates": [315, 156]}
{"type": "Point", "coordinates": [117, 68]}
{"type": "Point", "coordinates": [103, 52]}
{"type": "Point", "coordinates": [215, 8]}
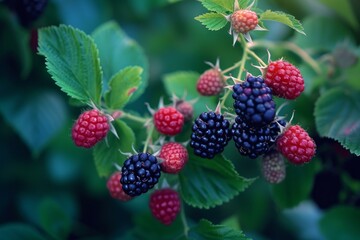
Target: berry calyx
{"type": "Point", "coordinates": [296, 145]}
{"type": "Point", "coordinates": [91, 127]}
{"type": "Point", "coordinates": [174, 157]}
{"type": "Point", "coordinates": [284, 79]}
{"type": "Point", "coordinates": [140, 173]}
{"type": "Point", "coordinates": [165, 205]}
{"type": "Point", "coordinates": [210, 134]}
{"type": "Point", "coordinates": [273, 167]}
{"type": "Point", "coordinates": [253, 101]}
{"type": "Point", "coordinates": [211, 82]}
{"type": "Point", "coordinates": [115, 188]}
{"type": "Point", "coordinates": [243, 21]}
{"type": "Point", "coordinates": [168, 121]}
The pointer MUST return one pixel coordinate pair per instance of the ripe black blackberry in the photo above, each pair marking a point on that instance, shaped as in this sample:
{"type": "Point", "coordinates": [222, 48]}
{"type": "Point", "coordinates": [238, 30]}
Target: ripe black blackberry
{"type": "Point", "coordinates": [27, 10]}
{"type": "Point", "coordinates": [253, 101]}
{"type": "Point", "coordinates": [210, 134]}
{"type": "Point", "coordinates": [139, 173]}
{"type": "Point", "coordinates": [254, 141]}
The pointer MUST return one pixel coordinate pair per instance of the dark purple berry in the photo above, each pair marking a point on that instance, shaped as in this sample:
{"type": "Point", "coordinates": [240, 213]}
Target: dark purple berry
{"type": "Point", "coordinates": [210, 134]}
{"type": "Point", "coordinates": [140, 173]}
{"type": "Point", "coordinates": [253, 101]}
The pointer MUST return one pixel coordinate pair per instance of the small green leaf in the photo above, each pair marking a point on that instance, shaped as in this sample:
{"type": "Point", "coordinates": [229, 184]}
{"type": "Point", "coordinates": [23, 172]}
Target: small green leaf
{"type": "Point", "coordinates": [118, 51]}
{"type": "Point", "coordinates": [296, 187]}
{"type": "Point", "coordinates": [72, 60]}
{"type": "Point", "coordinates": [219, 6]}
{"type": "Point", "coordinates": [284, 18]}
{"type": "Point", "coordinates": [212, 21]}
{"type": "Point", "coordinates": [181, 83]}
{"type": "Point", "coordinates": [208, 183]}
{"type": "Point", "coordinates": [205, 230]}
{"type": "Point", "coordinates": [337, 116]}
{"type": "Point", "coordinates": [19, 231]}
{"type": "Point", "coordinates": [54, 219]}
{"type": "Point", "coordinates": [36, 116]}
{"type": "Point", "coordinates": [122, 85]}
{"type": "Point", "coordinates": [107, 152]}
{"type": "Point", "coordinates": [341, 222]}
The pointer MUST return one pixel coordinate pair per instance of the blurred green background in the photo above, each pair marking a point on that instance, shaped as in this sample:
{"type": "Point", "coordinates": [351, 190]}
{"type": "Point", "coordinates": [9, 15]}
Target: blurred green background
{"type": "Point", "coordinates": [49, 184]}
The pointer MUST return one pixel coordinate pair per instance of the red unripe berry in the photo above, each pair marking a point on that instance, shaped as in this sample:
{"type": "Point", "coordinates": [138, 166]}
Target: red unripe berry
{"type": "Point", "coordinates": [210, 83]}
{"type": "Point", "coordinates": [168, 121]}
{"type": "Point", "coordinates": [165, 205]}
{"type": "Point", "coordinates": [174, 157]}
{"type": "Point", "coordinates": [243, 21]}
{"type": "Point", "coordinates": [296, 145]}
{"type": "Point", "coordinates": [284, 79]}
{"type": "Point", "coordinates": [90, 128]}
{"type": "Point", "coordinates": [115, 188]}
{"type": "Point", "coordinates": [186, 109]}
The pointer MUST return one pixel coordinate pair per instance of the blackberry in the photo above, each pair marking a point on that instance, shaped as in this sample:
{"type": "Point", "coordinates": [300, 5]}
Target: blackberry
{"type": "Point", "coordinates": [253, 101]}
{"type": "Point", "coordinates": [254, 141]}
{"type": "Point", "coordinates": [140, 173]}
{"type": "Point", "coordinates": [210, 134]}
{"type": "Point", "coordinates": [27, 10]}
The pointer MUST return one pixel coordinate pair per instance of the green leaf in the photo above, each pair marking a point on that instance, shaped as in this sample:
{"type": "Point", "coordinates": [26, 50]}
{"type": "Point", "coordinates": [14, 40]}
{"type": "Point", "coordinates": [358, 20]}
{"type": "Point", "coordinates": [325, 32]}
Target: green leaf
{"type": "Point", "coordinates": [332, 32]}
{"type": "Point", "coordinates": [344, 9]}
{"type": "Point", "coordinates": [337, 116]}
{"type": "Point", "coordinates": [212, 21]}
{"type": "Point", "coordinates": [181, 83]}
{"type": "Point", "coordinates": [54, 219]}
{"type": "Point", "coordinates": [122, 85]}
{"type": "Point", "coordinates": [36, 116]}
{"type": "Point", "coordinates": [205, 230]}
{"type": "Point", "coordinates": [72, 60]}
{"type": "Point", "coordinates": [296, 187]}
{"type": "Point", "coordinates": [219, 6]}
{"type": "Point", "coordinates": [208, 183]}
{"type": "Point", "coordinates": [106, 153]}
{"type": "Point", "coordinates": [19, 231]}
{"type": "Point", "coordinates": [118, 51]}
{"type": "Point", "coordinates": [284, 18]}
{"type": "Point", "coordinates": [341, 222]}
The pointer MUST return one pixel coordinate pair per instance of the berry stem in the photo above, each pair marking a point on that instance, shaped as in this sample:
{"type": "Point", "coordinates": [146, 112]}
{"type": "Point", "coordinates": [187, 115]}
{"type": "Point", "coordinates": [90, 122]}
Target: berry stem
{"type": "Point", "coordinates": [254, 55]}
{"type": "Point", "coordinates": [292, 47]}
{"type": "Point", "coordinates": [184, 221]}
{"type": "Point", "coordinates": [231, 68]}
{"type": "Point", "coordinates": [149, 137]}
{"type": "Point", "coordinates": [133, 117]}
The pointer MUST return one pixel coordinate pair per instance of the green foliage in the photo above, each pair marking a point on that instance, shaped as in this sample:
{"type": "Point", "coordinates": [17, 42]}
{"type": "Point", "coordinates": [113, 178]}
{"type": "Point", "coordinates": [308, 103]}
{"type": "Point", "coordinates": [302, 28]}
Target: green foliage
{"type": "Point", "coordinates": [117, 51]}
{"type": "Point", "coordinates": [208, 183]}
{"type": "Point", "coordinates": [205, 230]}
{"type": "Point", "coordinates": [219, 6]}
{"type": "Point", "coordinates": [212, 21]}
{"type": "Point", "coordinates": [108, 152]}
{"type": "Point", "coordinates": [36, 116]}
{"type": "Point", "coordinates": [19, 231]}
{"type": "Point", "coordinates": [296, 187]}
{"type": "Point", "coordinates": [337, 114]}
{"type": "Point", "coordinates": [341, 222]}
{"type": "Point", "coordinates": [122, 85]}
{"type": "Point", "coordinates": [72, 60]}
{"type": "Point", "coordinates": [344, 9]}
{"type": "Point", "coordinates": [284, 18]}
{"type": "Point", "coordinates": [184, 83]}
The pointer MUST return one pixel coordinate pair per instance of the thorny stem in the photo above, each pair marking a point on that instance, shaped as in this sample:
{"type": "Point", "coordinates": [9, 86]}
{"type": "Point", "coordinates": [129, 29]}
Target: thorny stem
{"type": "Point", "coordinates": [184, 221]}
{"type": "Point", "coordinates": [133, 117]}
{"type": "Point", "coordinates": [241, 65]}
{"type": "Point", "coordinates": [292, 47]}
{"type": "Point", "coordinates": [254, 55]}
{"type": "Point", "coordinates": [148, 139]}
